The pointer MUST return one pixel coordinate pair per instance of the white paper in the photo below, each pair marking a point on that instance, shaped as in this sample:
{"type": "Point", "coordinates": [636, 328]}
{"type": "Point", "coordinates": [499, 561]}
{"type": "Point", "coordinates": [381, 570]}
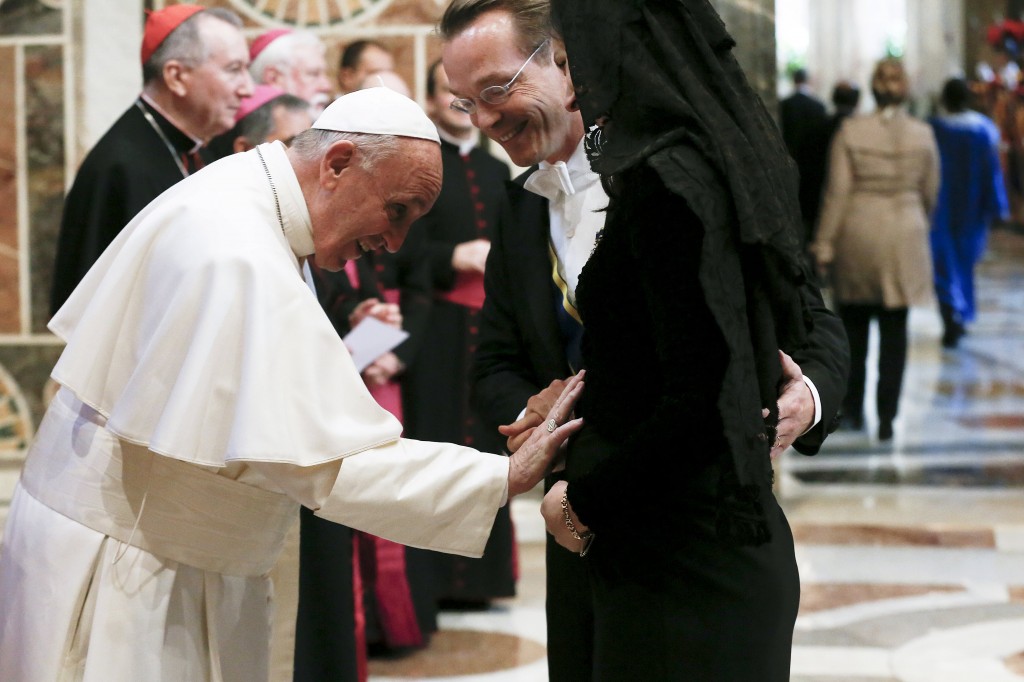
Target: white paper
{"type": "Point", "coordinates": [370, 339]}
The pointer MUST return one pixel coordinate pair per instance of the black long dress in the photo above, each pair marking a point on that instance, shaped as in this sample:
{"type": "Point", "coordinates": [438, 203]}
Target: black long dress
{"type": "Point", "coordinates": [645, 471]}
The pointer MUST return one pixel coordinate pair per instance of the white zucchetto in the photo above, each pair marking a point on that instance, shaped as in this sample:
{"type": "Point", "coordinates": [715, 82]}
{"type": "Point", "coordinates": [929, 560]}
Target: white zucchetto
{"type": "Point", "coordinates": [377, 111]}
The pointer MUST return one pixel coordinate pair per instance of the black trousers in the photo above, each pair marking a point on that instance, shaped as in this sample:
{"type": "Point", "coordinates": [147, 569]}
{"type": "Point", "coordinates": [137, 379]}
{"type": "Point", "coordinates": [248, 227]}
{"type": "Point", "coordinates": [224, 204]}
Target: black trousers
{"type": "Point", "coordinates": [325, 635]}
{"type": "Point", "coordinates": [725, 613]}
{"type": "Point", "coordinates": [892, 357]}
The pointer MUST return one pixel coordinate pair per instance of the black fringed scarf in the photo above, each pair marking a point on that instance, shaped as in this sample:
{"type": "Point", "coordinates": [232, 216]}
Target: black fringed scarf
{"type": "Point", "coordinates": [663, 73]}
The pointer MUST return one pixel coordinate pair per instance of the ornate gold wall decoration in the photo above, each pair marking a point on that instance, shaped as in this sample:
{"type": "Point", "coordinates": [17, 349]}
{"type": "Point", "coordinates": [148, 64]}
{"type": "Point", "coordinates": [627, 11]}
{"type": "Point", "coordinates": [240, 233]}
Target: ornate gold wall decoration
{"type": "Point", "coordinates": [310, 13]}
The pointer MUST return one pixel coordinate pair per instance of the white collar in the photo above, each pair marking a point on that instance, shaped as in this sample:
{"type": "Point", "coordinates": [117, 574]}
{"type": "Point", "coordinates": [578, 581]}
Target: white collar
{"type": "Point", "coordinates": [465, 144]}
{"type": "Point", "coordinates": [295, 220]}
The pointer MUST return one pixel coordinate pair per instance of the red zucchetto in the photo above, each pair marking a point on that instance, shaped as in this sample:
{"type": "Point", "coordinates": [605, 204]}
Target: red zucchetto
{"type": "Point", "coordinates": [264, 39]}
{"type": "Point", "coordinates": [160, 24]}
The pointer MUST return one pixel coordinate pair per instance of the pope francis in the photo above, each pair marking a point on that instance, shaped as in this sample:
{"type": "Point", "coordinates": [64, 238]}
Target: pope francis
{"type": "Point", "coordinates": [204, 396]}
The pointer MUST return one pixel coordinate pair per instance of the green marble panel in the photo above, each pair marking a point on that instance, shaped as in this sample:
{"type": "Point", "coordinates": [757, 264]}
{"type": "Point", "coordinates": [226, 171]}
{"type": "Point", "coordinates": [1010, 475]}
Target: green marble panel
{"type": "Point", "coordinates": [44, 128]}
{"type": "Point", "coordinates": [24, 371]}
{"type": "Point", "coordinates": [30, 18]}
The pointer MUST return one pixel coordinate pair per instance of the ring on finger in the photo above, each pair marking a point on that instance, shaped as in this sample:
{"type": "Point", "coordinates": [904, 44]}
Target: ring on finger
{"type": "Point", "coordinates": [552, 425]}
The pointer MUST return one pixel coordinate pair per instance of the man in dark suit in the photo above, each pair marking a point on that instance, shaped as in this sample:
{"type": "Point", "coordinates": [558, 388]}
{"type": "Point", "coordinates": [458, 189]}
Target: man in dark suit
{"type": "Point", "coordinates": [804, 125]}
{"type": "Point", "coordinates": [509, 71]}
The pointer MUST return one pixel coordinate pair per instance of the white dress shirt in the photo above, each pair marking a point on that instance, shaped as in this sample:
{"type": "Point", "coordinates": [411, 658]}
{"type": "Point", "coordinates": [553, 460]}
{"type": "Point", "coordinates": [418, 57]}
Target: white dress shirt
{"type": "Point", "coordinates": [576, 203]}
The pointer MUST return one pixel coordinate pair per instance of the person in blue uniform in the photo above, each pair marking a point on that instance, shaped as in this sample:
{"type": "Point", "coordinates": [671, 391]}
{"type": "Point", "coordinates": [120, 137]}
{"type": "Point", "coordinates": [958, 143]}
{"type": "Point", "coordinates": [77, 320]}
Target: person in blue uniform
{"type": "Point", "coordinates": [972, 195]}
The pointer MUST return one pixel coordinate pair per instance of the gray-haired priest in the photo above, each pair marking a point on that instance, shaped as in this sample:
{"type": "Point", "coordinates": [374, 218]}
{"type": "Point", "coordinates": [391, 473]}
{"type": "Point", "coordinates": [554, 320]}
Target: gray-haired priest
{"type": "Point", "coordinates": [204, 396]}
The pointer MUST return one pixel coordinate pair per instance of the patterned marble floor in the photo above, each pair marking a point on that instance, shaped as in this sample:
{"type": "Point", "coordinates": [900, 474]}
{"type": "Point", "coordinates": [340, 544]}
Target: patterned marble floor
{"type": "Point", "coordinates": [911, 553]}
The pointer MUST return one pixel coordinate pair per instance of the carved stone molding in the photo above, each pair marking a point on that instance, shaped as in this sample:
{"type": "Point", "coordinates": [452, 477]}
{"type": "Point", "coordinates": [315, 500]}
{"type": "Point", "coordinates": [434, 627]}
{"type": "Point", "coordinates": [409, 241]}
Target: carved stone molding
{"type": "Point", "coordinates": [310, 13]}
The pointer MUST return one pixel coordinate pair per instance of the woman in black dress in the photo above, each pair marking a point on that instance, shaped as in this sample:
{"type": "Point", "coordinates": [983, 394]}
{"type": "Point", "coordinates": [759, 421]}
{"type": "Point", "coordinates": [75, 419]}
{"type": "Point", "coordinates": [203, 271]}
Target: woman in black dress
{"type": "Point", "coordinates": [695, 284]}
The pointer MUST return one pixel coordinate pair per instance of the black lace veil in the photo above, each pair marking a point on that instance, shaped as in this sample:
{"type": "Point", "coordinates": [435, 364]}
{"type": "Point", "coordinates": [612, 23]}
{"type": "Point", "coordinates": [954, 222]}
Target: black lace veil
{"type": "Point", "coordinates": [661, 77]}
{"type": "Point", "coordinates": [663, 73]}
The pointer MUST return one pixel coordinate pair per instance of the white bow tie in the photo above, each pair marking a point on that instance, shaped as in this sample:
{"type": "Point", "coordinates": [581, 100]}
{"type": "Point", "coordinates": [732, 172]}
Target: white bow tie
{"type": "Point", "coordinates": [551, 182]}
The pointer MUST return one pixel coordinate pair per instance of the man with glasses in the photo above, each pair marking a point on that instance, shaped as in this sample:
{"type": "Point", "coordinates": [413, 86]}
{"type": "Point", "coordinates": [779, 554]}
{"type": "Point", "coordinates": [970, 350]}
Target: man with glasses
{"type": "Point", "coordinates": [495, 94]}
{"type": "Point", "coordinates": [508, 69]}
{"type": "Point", "coordinates": [529, 337]}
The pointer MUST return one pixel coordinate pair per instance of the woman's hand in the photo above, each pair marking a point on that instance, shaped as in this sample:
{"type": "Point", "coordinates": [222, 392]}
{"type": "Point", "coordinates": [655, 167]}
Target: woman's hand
{"type": "Point", "coordinates": [554, 519]}
{"type": "Point", "coordinates": [531, 462]}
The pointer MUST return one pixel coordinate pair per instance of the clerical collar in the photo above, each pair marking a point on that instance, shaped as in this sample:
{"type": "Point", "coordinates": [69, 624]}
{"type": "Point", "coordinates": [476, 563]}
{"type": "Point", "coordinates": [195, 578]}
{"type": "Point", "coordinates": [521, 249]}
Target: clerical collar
{"type": "Point", "coordinates": [465, 145]}
{"type": "Point", "coordinates": [294, 214]}
{"type": "Point", "coordinates": [181, 140]}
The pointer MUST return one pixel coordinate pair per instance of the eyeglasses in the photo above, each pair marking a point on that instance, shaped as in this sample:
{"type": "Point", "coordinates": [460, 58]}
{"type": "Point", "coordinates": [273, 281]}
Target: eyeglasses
{"type": "Point", "coordinates": [495, 94]}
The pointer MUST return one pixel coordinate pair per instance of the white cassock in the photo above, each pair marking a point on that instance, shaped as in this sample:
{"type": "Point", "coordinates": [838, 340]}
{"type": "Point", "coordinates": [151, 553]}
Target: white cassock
{"type": "Point", "coordinates": [204, 397]}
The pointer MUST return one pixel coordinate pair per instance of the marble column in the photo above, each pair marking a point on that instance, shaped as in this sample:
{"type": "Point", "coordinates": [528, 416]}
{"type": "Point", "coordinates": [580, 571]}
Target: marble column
{"type": "Point", "coordinates": [834, 52]}
{"type": "Point", "coordinates": [108, 76]}
{"type": "Point", "coordinates": [935, 49]}
{"type": "Point", "coordinates": [847, 38]}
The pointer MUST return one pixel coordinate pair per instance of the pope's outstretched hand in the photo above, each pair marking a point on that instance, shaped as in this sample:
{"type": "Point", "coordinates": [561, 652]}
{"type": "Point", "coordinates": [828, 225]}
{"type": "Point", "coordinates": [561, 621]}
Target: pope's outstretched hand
{"type": "Point", "coordinates": [535, 458]}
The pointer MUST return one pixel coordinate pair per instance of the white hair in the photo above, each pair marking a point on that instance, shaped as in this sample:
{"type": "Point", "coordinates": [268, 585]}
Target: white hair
{"type": "Point", "coordinates": [312, 144]}
{"type": "Point", "coordinates": [279, 52]}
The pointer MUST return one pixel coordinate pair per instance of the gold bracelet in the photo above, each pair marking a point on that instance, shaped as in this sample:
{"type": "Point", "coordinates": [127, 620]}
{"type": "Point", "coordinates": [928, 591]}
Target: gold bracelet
{"type": "Point", "coordinates": [587, 536]}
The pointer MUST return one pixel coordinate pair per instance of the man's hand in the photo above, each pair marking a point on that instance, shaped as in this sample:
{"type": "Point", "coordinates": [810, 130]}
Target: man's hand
{"type": "Point", "coordinates": [554, 518]}
{"type": "Point", "coordinates": [388, 313]}
{"type": "Point", "coordinates": [537, 408]}
{"type": "Point", "coordinates": [471, 256]}
{"type": "Point", "coordinates": [796, 406]}
{"type": "Point", "coordinates": [382, 369]}
{"type": "Point", "coordinates": [531, 462]}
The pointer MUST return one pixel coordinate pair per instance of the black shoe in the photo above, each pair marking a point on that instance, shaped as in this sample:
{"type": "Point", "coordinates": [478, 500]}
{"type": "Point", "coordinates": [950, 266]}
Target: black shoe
{"type": "Point", "coordinates": [952, 327]}
{"type": "Point", "coordinates": [951, 337]}
{"type": "Point", "coordinates": [471, 605]}
{"type": "Point", "coordinates": [885, 430]}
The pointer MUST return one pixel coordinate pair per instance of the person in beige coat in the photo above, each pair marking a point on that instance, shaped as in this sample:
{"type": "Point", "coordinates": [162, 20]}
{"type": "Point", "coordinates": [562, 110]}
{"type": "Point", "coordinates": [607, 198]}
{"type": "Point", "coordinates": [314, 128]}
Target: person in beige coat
{"type": "Point", "coordinates": [872, 239]}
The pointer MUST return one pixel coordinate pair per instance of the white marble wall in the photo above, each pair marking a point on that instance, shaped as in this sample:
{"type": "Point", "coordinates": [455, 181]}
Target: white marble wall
{"type": "Point", "coordinates": [847, 37]}
{"type": "Point", "coordinates": [935, 46]}
{"type": "Point", "coordinates": [107, 75]}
